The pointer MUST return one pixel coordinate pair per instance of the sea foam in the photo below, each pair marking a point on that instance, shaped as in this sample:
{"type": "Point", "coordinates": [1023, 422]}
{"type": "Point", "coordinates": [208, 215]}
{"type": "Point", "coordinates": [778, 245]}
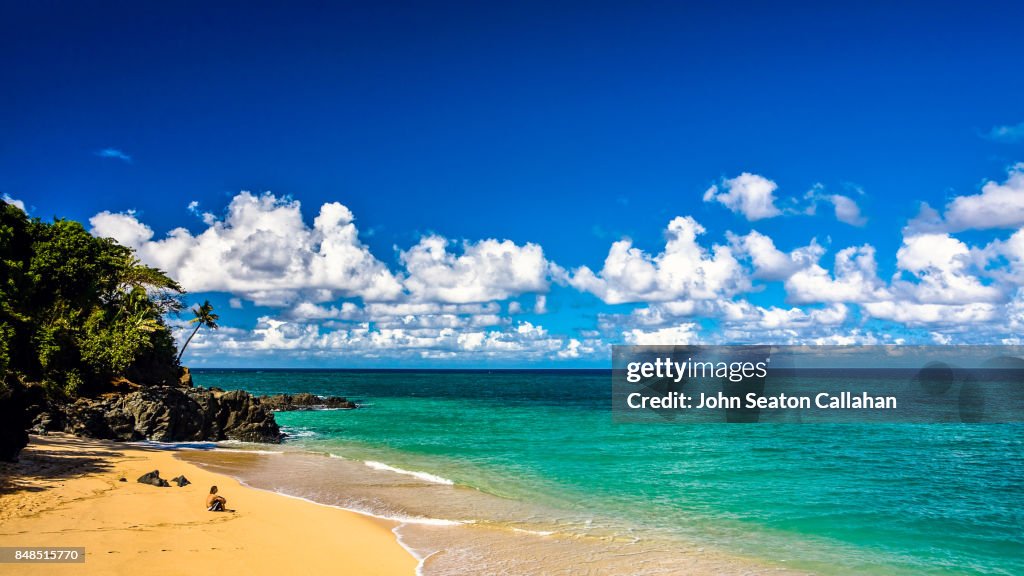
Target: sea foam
{"type": "Point", "coordinates": [425, 476]}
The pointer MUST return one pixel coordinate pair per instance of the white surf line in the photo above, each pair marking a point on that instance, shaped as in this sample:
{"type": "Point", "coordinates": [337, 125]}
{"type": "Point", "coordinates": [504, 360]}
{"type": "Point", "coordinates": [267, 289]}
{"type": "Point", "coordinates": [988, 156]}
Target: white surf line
{"type": "Point", "coordinates": [421, 560]}
{"type": "Point", "coordinates": [425, 476]}
{"type": "Point", "coordinates": [400, 519]}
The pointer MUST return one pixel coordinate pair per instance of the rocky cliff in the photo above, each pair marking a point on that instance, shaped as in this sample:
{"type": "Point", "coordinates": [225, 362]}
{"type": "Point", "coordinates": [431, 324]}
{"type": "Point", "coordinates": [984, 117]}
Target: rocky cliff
{"type": "Point", "coordinates": [166, 414]}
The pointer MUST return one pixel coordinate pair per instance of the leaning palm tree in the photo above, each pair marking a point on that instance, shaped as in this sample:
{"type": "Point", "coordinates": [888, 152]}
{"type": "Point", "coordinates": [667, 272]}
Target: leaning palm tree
{"type": "Point", "coordinates": [204, 317]}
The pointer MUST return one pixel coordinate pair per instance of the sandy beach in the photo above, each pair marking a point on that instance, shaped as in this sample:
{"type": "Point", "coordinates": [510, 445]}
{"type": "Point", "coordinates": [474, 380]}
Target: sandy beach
{"type": "Point", "coordinates": [66, 491]}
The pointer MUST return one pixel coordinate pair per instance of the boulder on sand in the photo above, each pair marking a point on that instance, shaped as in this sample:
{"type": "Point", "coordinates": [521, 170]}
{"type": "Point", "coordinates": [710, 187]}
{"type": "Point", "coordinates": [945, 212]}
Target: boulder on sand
{"type": "Point", "coordinates": [153, 478]}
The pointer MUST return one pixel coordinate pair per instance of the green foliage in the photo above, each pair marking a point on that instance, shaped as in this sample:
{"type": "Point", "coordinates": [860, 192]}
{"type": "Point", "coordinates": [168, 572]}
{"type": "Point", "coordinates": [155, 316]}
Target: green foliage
{"type": "Point", "coordinates": [6, 334]}
{"type": "Point", "coordinates": [76, 311]}
{"type": "Point", "coordinates": [108, 345]}
{"type": "Point", "coordinates": [15, 254]}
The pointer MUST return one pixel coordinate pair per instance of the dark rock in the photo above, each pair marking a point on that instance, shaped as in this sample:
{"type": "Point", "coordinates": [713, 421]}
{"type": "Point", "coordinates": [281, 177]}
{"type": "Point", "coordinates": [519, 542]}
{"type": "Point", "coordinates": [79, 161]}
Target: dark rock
{"type": "Point", "coordinates": [122, 479]}
{"type": "Point", "coordinates": [181, 481]}
{"type": "Point", "coordinates": [46, 420]}
{"type": "Point", "coordinates": [19, 405]}
{"type": "Point", "coordinates": [171, 414]}
{"type": "Point", "coordinates": [154, 479]}
{"type": "Point", "coordinates": [244, 418]}
{"type": "Point", "coordinates": [304, 401]}
{"type": "Point", "coordinates": [14, 420]}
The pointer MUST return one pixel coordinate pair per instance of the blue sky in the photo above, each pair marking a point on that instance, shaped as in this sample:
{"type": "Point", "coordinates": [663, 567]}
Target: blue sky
{"type": "Point", "coordinates": [485, 154]}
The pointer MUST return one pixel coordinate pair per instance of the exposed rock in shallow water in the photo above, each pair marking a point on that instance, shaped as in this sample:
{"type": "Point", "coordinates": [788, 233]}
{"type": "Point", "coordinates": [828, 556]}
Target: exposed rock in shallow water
{"type": "Point", "coordinates": [304, 401]}
{"type": "Point", "coordinates": [167, 414]}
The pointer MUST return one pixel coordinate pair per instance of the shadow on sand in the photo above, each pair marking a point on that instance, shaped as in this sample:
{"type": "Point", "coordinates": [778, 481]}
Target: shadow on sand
{"type": "Point", "coordinates": [45, 460]}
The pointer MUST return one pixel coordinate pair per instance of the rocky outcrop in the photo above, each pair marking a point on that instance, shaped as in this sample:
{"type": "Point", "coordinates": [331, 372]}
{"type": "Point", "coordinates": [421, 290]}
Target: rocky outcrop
{"type": "Point", "coordinates": [304, 401]}
{"type": "Point", "coordinates": [13, 421]}
{"type": "Point", "coordinates": [19, 403]}
{"type": "Point", "coordinates": [166, 414]}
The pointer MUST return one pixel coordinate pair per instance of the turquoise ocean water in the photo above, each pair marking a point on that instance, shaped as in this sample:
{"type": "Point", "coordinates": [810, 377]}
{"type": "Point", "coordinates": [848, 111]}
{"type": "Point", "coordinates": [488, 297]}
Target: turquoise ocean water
{"type": "Point", "coordinates": [485, 465]}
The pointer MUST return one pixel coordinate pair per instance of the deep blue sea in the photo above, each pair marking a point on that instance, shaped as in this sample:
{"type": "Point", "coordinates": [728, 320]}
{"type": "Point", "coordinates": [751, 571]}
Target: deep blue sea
{"type": "Point", "coordinates": [507, 460]}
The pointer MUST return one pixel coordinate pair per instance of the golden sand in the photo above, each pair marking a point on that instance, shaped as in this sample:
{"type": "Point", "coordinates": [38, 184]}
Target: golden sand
{"type": "Point", "coordinates": [65, 491]}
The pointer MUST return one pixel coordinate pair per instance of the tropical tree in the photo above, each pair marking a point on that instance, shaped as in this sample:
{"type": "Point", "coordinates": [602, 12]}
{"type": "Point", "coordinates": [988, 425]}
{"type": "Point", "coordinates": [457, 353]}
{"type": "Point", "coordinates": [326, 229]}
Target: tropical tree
{"type": "Point", "coordinates": [162, 291]}
{"type": "Point", "coordinates": [78, 312]}
{"type": "Point", "coordinates": [204, 317]}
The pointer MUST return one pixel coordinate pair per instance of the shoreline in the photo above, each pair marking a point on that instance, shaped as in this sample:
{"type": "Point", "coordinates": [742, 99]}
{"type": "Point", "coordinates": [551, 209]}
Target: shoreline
{"type": "Point", "coordinates": [65, 491]}
{"type": "Point", "coordinates": [455, 544]}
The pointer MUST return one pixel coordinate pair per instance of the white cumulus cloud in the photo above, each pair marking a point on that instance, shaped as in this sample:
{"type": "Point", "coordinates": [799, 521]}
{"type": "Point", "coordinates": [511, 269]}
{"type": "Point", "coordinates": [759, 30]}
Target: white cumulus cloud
{"type": "Point", "coordinates": [685, 269]}
{"type": "Point", "coordinates": [13, 201]}
{"type": "Point", "coordinates": [121, 226]}
{"type": "Point", "coordinates": [769, 262]}
{"type": "Point", "coordinates": [748, 194]}
{"type": "Point", "coordinates": [913, 314]}
{"type": "Point", "coordinates": [484, 271]}
{"type": "Point", "coordinates": [999, 205]}
{"type": "Point", "coordinates": [941, 267]}
{"type": "Point", "coordinates": [298, 339]}
{"type": "Point", "coordinates": [847, 210]}
{"type": "Point", "coordinates": [263, 251]}
{"type": "Point", "coordinates": [854, 279]}
{"type": "Point", "coordinates": [678, 335]}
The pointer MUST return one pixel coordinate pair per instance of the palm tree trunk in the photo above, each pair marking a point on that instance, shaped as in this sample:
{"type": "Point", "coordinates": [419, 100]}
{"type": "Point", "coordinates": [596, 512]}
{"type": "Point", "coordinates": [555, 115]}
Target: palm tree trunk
{"type": "Point", "coordinates": [198, 326]}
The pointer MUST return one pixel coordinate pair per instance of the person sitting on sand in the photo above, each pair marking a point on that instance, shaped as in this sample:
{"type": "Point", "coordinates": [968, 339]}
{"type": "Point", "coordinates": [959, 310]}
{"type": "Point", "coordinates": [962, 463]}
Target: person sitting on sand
{"type": "Point", "coordinates": [215, 503]}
